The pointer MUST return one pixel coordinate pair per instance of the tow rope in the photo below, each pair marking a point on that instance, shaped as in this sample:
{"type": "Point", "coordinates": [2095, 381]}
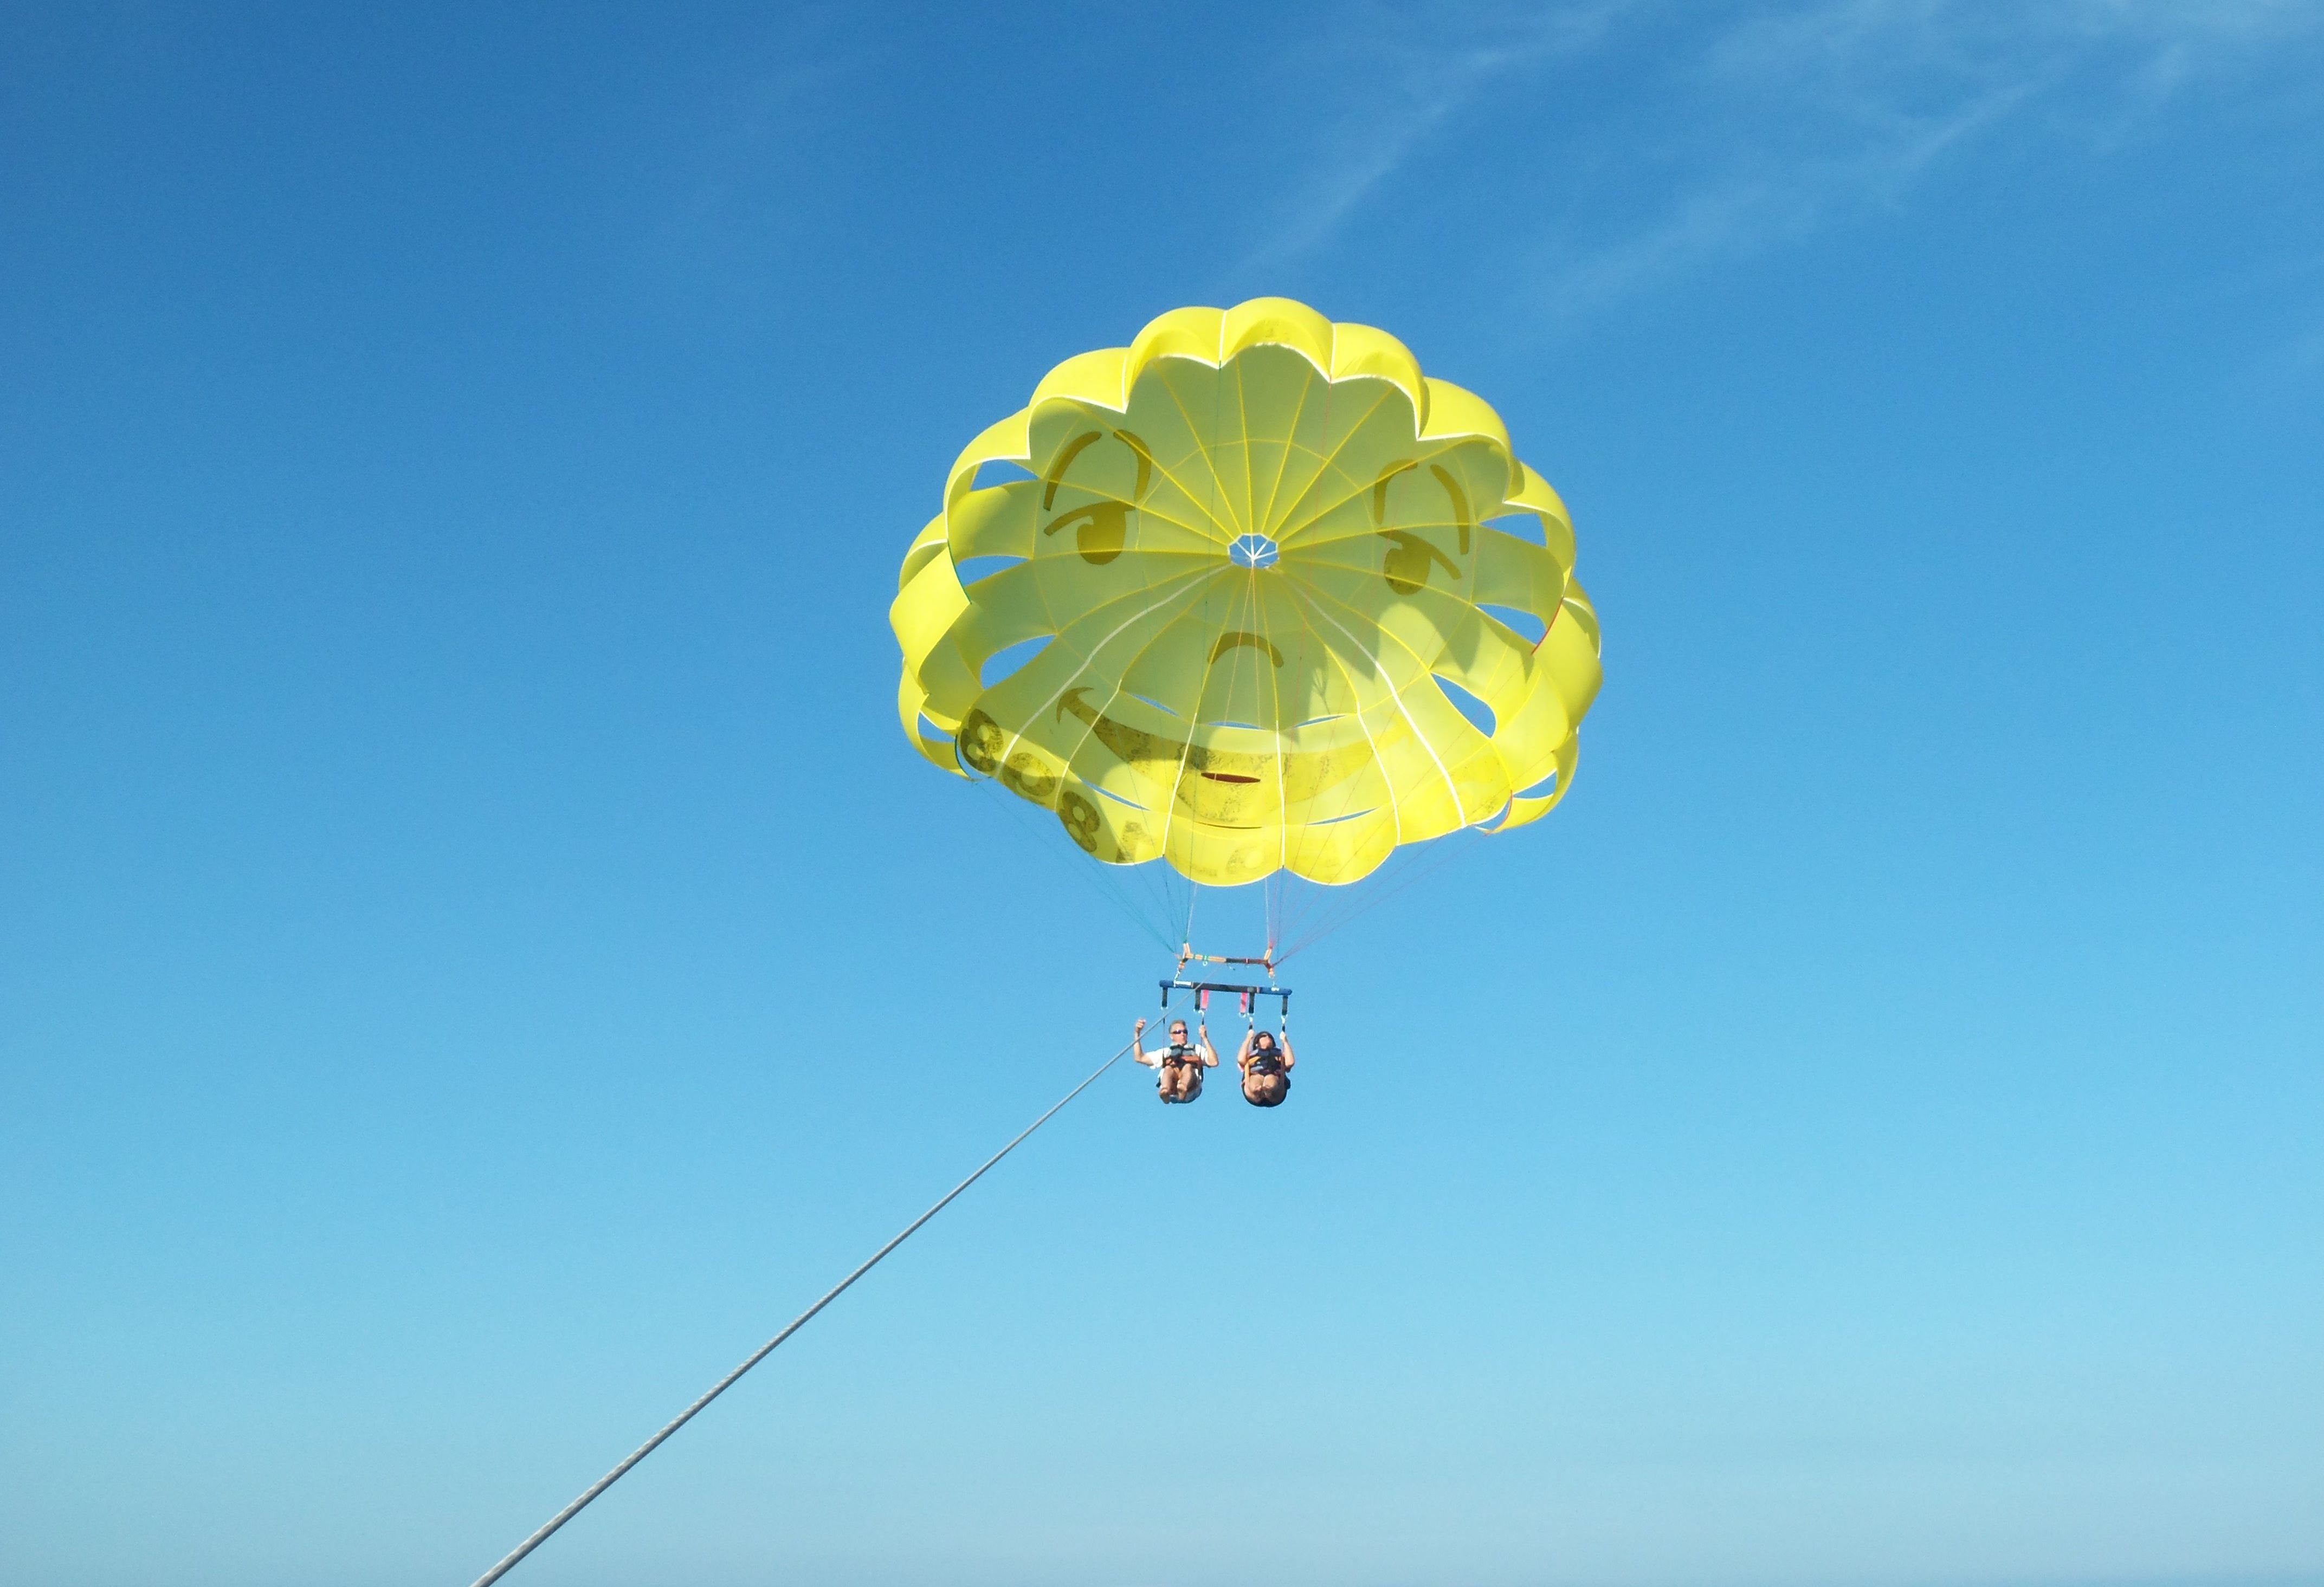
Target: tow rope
{"type": "Point", "coordinates": [760, 1354]}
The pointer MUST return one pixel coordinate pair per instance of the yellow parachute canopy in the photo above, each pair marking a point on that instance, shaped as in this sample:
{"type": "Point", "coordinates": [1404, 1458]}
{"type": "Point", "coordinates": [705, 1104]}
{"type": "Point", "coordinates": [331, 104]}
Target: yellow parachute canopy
{"type": "Point", "coordinates": [1256, 543]}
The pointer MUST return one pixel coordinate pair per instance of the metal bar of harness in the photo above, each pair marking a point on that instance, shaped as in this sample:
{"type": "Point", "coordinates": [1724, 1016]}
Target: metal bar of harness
{"type": "Point", "coordinates": [760, 1354]}
{"type": "Point", "coordinates": [1202, 988]}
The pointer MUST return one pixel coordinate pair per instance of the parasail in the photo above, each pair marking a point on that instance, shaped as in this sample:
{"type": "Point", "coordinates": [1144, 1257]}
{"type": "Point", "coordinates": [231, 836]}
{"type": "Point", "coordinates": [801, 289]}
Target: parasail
{"type": "Point", "coordinates": [1258, 598]}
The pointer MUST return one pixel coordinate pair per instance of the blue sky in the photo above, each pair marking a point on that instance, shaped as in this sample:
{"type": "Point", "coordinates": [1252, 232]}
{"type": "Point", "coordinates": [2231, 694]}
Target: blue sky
{"type": "Point", "coordinates": [477, 955]}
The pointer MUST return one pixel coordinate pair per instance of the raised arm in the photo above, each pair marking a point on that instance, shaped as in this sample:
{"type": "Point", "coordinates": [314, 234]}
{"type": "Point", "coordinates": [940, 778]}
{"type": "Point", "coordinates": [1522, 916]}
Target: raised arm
{"type": "Point", "coordinates": [1138, 1045]}
{"type": "Point", "coordinates": [1283, 1045]}
{"type": "Point", "coordinates": [1203, 1048]}
{"type": "Point", "coordinates": [1242, 1053]}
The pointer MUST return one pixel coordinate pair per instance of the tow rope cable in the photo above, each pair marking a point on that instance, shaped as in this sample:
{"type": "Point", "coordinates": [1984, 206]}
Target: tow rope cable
{"type": "Point", "coordinates": [760, 1354]}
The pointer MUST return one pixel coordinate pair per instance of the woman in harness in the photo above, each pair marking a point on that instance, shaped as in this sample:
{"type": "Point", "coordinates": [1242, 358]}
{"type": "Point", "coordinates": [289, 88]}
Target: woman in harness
{"type": "Point", "coordinates": [1266, 1066]}
{"type": "Point", "coordinates": [1178, 1068]}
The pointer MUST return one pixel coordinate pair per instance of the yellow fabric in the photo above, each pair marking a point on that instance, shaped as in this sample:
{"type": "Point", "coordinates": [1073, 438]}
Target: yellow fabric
{"type": "Point", "coordinates": [1237, 719]}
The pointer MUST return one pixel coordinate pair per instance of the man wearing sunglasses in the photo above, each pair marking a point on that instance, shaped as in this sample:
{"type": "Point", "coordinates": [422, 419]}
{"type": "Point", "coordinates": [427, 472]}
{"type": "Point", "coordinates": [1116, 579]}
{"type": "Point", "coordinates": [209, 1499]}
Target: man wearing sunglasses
{"type": "Point", "coordinates": [1178, 1068]}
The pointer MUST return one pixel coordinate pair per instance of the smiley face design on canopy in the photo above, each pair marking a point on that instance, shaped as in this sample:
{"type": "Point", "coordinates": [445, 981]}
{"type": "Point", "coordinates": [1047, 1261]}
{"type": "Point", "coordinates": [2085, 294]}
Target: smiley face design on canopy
{"type": "Point", "coordinates": [1258, 559]}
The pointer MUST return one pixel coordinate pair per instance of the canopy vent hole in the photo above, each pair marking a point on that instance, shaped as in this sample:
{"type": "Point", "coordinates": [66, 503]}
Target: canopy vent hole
{"type": "Point", "coordinates": [1253, 551]}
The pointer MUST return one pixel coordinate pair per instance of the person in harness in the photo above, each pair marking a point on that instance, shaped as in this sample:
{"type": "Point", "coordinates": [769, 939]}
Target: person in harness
{"type": "Point", "coordinates": [1178, 1068]}
{"type": "Point", "coordinates": [1266, 1066]}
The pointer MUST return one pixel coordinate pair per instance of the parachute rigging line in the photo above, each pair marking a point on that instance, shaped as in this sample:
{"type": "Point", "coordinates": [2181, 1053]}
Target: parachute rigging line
{"type": "Point", "coordinates": [1097, 878]}
{"type": "Point", "coordinates": [1334, 914]}
{"type": "Point", "coordinates": [760, 1354]}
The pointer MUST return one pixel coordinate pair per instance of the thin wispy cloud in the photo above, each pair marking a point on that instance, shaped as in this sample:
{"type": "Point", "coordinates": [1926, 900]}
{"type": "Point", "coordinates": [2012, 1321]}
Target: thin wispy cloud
{"type": "Point", "coordinates": [1758, 125]}
{"type": "Point", "coordinates": [1415, 81]}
